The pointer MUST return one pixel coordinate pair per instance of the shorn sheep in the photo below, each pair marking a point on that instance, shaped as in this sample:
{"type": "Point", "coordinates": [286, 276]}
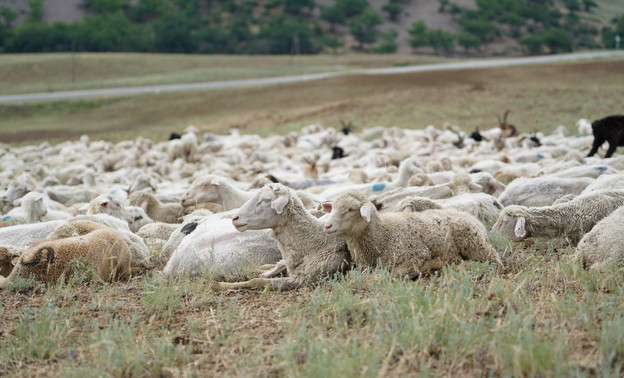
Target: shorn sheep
{"type": "Point", "coordinates": [408, 244]}
{"type": "Point", "coordinates": [98, 245]}
{"type": "Point", "coordinates": [569, 219]}
{"type": "Point", "coordinates": [308, 253]}
{"type": "Point", "coordinates": [604, 243]}
{"type": "Point", "coordinates": [609, 129]}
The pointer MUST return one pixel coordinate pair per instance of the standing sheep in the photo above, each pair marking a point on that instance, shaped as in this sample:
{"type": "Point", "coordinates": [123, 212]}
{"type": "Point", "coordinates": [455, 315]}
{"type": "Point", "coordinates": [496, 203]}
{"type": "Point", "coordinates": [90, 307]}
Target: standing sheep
{"type": "Point", "coordinates": [569, 219]}
{"type": "Point", "coordinates": [609, 129]}
{"type": "Point", "coordinates": [48, 259]}
{"type": "Point", "coordinates": [308, 254]}
{"type": "Point", "coordinates": [408, 244]}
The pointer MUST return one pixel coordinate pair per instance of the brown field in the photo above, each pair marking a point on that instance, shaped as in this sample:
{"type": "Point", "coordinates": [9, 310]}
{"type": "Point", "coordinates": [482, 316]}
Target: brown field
{"type": "Point", "coordinates": [540, 98]}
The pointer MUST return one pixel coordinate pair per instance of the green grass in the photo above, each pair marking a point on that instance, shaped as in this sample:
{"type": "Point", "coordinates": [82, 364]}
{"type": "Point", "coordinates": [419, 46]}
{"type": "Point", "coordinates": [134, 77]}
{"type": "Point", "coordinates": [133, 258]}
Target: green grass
{"type": "Point", "coordinates": [543, 316]}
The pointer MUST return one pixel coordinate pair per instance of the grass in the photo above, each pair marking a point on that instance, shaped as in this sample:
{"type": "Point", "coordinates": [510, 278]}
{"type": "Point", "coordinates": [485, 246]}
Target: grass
{"type": "Point", "coordinates": [542, 316]}
{"type": "Point", "coordinates": [540, 98]}
{"type": "Point", "coordinates": [28, 73]}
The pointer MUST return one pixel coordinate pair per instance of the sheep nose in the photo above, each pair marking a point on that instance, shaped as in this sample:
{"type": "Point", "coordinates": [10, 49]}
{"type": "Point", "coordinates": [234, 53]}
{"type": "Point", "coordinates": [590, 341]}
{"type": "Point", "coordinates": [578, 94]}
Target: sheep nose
{"type": "Point", "coordinates": [235, 218]}
{"type": "Point", "coordinates": [328, 226]}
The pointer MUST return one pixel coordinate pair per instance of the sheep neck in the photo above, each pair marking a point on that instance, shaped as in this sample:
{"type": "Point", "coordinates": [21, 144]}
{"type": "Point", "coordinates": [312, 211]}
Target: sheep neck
{"type": "Point", "coordinates": [364, 246]}
{"type": "Point", "coordinates": [232, 197]}
{"type": "Point", "coordinates": [298, 233]}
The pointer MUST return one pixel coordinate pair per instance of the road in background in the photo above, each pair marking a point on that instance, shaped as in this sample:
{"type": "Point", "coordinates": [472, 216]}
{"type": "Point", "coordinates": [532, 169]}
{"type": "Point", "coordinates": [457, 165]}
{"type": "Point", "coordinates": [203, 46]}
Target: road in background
{"type": "Point", "coordinates": [156, 89]}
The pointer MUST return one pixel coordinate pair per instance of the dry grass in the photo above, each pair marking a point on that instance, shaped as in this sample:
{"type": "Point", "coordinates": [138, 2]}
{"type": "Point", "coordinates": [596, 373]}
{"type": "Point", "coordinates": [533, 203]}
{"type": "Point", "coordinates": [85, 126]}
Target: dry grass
{"type": "Point", "coordinates": [27, 73]}
{"type": "Point", "coordinates": [540, 97]}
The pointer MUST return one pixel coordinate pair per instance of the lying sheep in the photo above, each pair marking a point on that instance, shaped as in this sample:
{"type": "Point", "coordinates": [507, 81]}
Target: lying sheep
{"type": "Point", "coordinates": [569, 219]}
{"type": "Point", "coordinates": [7, 254]}
{"type": "Point", "coordinates": [112, 205]}
{"type": "Point", "coordinates": [408, 244]}
{"type": "Point", "coordinates": [541, 191]}
{"type": "Point", "coordinates": [213, 188]}
{"type": "Point", "coordinates": [308, 254]}
{"type": "Point", "coordinates": [213, 243]}
{"type": "Point", "coordinates": [609, 129]}
{"type": "Point", "coordinates": [99, 246]}
{"type": "Point", "coordinates": [480, 205]}
{"type": "Point", "coordinates": [156, 210]}
{"type": "Point", "coordinates": [31, 209]}
{"type": "Point", "coordinates": [188, 225]}
{"type": "Point", "coordinates": [604, 243]}
{"type": "Point", "coordinates": [139, 252]}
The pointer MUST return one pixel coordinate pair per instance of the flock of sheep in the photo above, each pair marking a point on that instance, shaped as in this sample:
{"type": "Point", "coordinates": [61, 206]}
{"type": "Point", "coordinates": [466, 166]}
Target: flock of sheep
{"type": "Point", "coordinates": [306, 205]}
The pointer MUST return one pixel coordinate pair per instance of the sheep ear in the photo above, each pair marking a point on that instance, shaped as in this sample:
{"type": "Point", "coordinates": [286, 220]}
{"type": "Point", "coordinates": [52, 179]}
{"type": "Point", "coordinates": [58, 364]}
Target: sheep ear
{"type": "Point", "coordinates": [104, 204]}
{"type": "Point", "coordinates": [279, 203]}
{"type": "Point", "coordinates": [519, 228]}
{"type": "Point", "coordinates": [475, 188]}
{"type": "Point", "coordinates": [366, 211]}
{"type": "Point", "coordinates": [326, 206]}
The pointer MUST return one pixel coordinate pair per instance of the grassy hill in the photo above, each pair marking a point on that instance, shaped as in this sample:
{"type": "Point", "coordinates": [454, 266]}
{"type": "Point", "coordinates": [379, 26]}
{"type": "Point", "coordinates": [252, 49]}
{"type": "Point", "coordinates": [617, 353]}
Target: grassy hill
{"type": "Point", "coordinates": [478, 28]}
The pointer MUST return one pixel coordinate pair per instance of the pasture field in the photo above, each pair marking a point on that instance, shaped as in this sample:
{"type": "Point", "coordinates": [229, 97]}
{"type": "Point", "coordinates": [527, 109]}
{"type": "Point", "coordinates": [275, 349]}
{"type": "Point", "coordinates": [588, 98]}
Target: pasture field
{"type": "Point", "coordinates": [540, 98]}
{"type": "Point", "coordinates": [28, 73]}
{"type": "Point", "coordinates": [542, 315]}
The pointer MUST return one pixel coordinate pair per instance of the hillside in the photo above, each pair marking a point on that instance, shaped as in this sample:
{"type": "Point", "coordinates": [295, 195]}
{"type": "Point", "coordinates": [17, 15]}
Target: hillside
{"type": "Point", "coordinates": [454, 27]}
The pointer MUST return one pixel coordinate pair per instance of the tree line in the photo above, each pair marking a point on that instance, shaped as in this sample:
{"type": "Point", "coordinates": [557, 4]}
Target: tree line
{"type": "Point", "coordinates": [301, 27]}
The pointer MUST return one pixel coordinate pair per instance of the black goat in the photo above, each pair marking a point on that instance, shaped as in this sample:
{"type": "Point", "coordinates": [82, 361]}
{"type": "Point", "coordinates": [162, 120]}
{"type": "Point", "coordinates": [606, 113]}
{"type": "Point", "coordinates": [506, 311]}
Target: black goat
{"type": "Point", "coordinates": [609, 129]}
{"type": "Point", "coordinates": [174, 135]}
{"type": "Point", "coordinates": [337, 153]}
{"type": "Point", "coordinates": [476, 135]}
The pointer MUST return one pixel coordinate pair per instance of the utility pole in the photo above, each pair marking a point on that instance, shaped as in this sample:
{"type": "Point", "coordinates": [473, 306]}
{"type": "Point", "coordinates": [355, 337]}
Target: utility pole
{"type": "Point", "coordinates": [73, 61]}
{"type": "Point", "coordinates": [296, 49]}
{"type": "Point", "coordinates": [617, 41]}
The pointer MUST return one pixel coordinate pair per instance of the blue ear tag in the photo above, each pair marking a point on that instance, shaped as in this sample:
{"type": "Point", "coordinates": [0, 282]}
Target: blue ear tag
{"type": "Point", "coordinates": [540, 156]}
{"type": "Point", "coordinates": [601, 168]}
{"type": "Point", "coordinates": [113, 191]}
{"type": "Point", "coordinates": [379, 187]}
{"type": "Point", "coordinates": [6, 218]}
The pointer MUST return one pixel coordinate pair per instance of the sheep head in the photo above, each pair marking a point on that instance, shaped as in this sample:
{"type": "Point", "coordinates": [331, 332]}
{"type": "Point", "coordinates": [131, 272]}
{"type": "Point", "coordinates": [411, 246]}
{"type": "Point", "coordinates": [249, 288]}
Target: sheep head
{"type": "Point", "coordinates": [264, 209]}
{"type": "Point", "coordinates": [205, 189]}
{"type": "Point", "coordinates": [512, 222]}
{"type": "Point", "coordinates": [351, 213]}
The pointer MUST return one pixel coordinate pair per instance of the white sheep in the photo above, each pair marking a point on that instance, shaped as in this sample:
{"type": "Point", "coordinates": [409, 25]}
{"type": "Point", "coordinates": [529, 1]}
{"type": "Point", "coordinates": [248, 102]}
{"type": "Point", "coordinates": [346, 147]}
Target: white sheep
{"type": "Point", "coordinates": [31, 209]}
{"type": "Point", "coordinates": [569, 219]}
{"type": "Point", "coordinates": [156, 210]}
{"type": "Point", "coordinates": [604, 243]}
{"type": "Point", "coordinates": [188, 225]}
{"type": "Point", "coordinates": [408, 244]}
{"type": "Point", "coordinates": [480, 205]}
{"type": "Point", "coordinates": [541, 191]}
{"type": "Point", "coordinates": [214, 188]}
{"type": "Point", "coordinates": [460, 183]}
{"type": "Point", "coordinates": [48, 259]}
{"type": "Point", "coordinates": [14, 191]}
{"type": "Point", "coordinates": [112, 205]}
{"type": "Point", "coordinates": [308, 254]}
{"type": "Point", "coordinates": [213, 243]}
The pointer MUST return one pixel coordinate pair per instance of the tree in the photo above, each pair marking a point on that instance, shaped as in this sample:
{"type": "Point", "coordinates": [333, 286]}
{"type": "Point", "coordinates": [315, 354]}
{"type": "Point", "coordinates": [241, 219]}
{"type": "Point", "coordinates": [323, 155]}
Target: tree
{"type": "Point", "coordinates": [36, 10]}
{"type": "Point", "coordinates": [443, 5]}
{"type": "Point", "coordinates": [364, 27]}
{"type": "Point", "coordinates": [334, 16]}
{"type": "Point", "coordinates": [298, 6]}
{"type": "Point", "coordinates": [441, 40]}
{"type": "Point", "coordinates": [588, 4]}
{"type": "Point", "coordinates": [393, 8]}
{"type": "Point", "coordinates": [284, 34]}
{"type": "Point", "coordinates": [106, 6]}
{"type": "Point", "coordinates": [388, 44]}
{"type": "Point", "coordinates": [418, 33]}
{"type": "Point", "coordinates": [173, 32]}
{"type": "Point", "coordinates": [351, 8]}
{"type": "Point", "coordinates": [8, 16]}
{"type": "Point", "coordinates": [468, 41]}
{"type": "Point", "coordinates": [609, 33]}
{"type": "Point", "coordinates": [330, 41]}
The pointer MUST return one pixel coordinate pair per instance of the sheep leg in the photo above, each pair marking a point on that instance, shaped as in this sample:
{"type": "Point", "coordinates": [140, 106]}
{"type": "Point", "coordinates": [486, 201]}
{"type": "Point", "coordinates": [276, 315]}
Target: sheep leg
{"type": "Point", "coordinates": [279, 284]}
{"type": "Point", "coordinates": [597, 143]}
{"type": "Point", "coordinates": [611, 150]}
{"type": "Point", "coordinates": [275, 270]}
